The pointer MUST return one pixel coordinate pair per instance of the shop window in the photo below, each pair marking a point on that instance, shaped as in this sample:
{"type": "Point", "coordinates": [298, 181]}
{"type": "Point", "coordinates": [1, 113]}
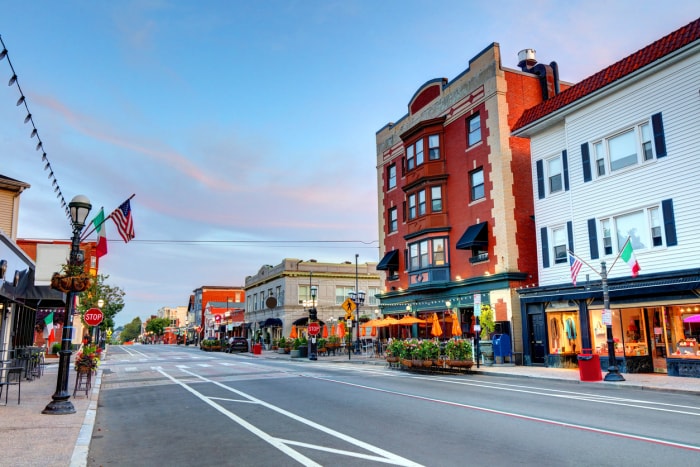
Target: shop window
{"type": "Point", "coordinates": [629, 328]}
{"type": "Point", "coordinates": [682, 337]}
{"type": "Point", "coordinates": [562, 328]}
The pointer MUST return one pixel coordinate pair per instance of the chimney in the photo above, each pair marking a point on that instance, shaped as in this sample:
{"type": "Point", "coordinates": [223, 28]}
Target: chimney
{"type": "Point", "coordinates": [548, 74]}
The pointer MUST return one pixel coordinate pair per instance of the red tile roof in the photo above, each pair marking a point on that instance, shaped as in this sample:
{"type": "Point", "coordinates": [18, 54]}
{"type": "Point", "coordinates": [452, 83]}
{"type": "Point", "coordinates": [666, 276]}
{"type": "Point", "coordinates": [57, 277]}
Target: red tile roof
{"type": "Point", "coordinates": [614, 72]}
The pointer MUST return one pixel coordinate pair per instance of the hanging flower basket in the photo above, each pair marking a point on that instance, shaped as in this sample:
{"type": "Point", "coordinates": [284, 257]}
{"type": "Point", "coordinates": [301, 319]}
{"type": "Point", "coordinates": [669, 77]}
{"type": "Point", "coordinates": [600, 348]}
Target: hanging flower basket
{"type": "Point", "coordinates": [66, 284]}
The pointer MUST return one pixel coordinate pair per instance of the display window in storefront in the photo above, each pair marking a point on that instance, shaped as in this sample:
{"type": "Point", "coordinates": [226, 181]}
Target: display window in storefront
{"type": "Point", "coordinates": [682, 331]}
{"type": "Point", "coordinates": [628, 329]}
{"type": "Point", "coordinates": [563, 328]}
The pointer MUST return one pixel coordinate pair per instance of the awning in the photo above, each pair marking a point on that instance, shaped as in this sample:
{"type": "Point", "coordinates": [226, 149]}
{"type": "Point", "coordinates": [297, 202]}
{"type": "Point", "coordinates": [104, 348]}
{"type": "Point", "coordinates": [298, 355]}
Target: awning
{"type": "Point", "coordinates": [390, 262]}
{"type": "Point", "coordinates": [475, 235]}
{"type": "Point", "coordinates": [272, 322]}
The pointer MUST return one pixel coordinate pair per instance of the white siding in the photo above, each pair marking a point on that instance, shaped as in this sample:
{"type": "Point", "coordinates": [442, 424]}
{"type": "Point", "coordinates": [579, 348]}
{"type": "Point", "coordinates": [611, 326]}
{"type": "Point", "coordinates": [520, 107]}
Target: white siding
{"type": "Point", "coordinates": [673, 91]}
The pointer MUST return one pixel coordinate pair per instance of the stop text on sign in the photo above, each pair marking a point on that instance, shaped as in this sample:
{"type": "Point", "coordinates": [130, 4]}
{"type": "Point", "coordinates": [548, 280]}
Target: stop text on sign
{"type": "Point", "coordinates": [93, 317]}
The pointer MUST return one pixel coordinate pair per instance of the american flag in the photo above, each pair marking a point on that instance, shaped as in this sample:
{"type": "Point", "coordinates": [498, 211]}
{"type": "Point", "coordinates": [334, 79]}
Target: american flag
{"type": "Point", "coordinates": [122, 218]}
{"type": "Point", "coordinates": [575, 264]}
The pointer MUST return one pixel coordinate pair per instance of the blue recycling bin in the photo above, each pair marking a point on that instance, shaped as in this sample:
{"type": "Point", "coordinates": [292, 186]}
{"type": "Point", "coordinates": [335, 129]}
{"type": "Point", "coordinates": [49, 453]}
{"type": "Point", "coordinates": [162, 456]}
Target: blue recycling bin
{"type": "Point", "coordinates": [501, 347]}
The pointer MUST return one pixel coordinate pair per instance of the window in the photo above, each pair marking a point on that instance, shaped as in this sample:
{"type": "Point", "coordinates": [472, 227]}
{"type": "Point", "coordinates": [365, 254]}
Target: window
{"type": "Point", "coordinates": [393, 220]}
{"type": "Point", "coordinates": [419, 152]}
{"type": "Point", "coordinates": [391, 177]}
{"type": "Point", "coordinates": [473, 130]}
{"type": "Point", "coordinates": [643, 227]}
{"type": "Point", "coordinates": [628, 148]}
{"type": "Point", "coordinates": [278, 294]}
{"type": "Point", "coordinates": [427, 253]}
{"type": "Point", "coordinates": [559, 245]}
{"type": "Point", "coordinates": [439, 252]}
{"type": "Point", "coordinates": [436, 199]}
{"type": "Point", "coordinates": [255, 301]}
{"type": "Point", "coordinates": [304, 294]}
{"type": "Point", "coordinates": [410, 157]}
{"type": "Point", "coordinates": [554, 174]}
{"type": "Point", "coordinates": [371, 299]}
{"type": "Point", "coordinates": [433, 147]}
{"type": "Point", "coordinates": [476, 182]}
{"type": "Point", "coordinates": [412, 206]}
{"type": "Point", "coordinates": [341, 293]}
{"type": "Point", "coordinates": [421, 203]}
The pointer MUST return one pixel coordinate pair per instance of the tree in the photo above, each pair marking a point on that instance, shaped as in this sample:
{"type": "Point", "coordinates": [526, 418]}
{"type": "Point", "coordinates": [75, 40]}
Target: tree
{"type": "Point", "coordinates": [131, 331]}
{"type": "Point", "coordinates": [113, 301]}
{"type": "Point", "coordinates": [486, 321]}
{"type": "Point", "coordinates": [157, 325]}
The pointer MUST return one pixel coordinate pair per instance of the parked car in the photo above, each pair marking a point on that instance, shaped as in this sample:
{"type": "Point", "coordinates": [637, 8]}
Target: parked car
{"type": "Point", "coordinates": [239, 344]}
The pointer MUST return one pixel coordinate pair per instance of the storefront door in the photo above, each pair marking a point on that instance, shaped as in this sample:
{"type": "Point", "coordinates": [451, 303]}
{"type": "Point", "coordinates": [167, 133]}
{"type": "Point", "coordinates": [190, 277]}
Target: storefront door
{"type": "Point", "coordinates": [537, 338]}
{"type": "Point", "coordinates": [658, 341]}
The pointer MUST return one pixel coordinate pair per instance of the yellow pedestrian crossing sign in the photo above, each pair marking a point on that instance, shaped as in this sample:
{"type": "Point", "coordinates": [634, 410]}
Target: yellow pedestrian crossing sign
{"type": "Point", "coordinates": [349, 306]}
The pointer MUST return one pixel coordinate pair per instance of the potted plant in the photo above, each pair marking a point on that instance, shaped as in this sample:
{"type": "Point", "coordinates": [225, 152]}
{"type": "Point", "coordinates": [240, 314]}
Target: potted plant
{"type": "Point", "coordinates": [54, 350]}
{"type": "Point", "coordinates": [394, 350]}
{"type": "Point", "coordinates": [88, 359]}
{"type": "Point", "coordinates": [430, 352]}
{"type": "Point", "coordinates": [487, 327]}
{"type": "Point", "coordinates": [321, 345]}
{"type": "Point", "coordinates": [459, 353]}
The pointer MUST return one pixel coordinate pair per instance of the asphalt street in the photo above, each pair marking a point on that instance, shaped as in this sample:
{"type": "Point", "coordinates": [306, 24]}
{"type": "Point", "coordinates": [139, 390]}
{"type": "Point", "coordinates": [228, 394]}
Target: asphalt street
{"type": "Point", "coordinates": [167, 405]}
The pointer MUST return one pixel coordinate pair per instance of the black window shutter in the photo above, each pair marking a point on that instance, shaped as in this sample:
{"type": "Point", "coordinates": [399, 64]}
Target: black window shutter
{"type": "Point", "coordinates": [540, 180]}
{"type": "Point", "coordinates": [586, 162]}
{"type": "Point", "coordinates": [669, 222]}
{"type": "Point", "coordinates": [657, 125]}
{"type": "Point", "coordinates": [404, 212]}
{"type": "Point", "coordinates": [565, 165]}
{"type": "Point", "coordinates": [570, 234]}
{"type": "Point", "coordinates": [593, 238]}
{"type": "Point", "coordinates": [545, 247]}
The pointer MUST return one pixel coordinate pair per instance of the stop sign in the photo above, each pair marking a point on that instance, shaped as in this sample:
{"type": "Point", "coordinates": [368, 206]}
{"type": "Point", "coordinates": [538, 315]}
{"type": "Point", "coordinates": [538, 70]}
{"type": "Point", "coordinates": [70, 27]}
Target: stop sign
{"type": "Point", "coordinates": [314, 328]}
{"type": "Point", "coordinates": [93, 317]}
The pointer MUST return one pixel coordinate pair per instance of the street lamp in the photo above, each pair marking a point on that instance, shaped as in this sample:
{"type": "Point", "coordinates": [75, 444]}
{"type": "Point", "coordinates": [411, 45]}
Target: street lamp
{"type": "Point", "coordinates": [98, 333]}
{"type": "Point", "coordinates": [357, 296]}
{"type": "Point", "coordinates": [79, 209]}
{"type": "Point", "coordinates": [313, 346]}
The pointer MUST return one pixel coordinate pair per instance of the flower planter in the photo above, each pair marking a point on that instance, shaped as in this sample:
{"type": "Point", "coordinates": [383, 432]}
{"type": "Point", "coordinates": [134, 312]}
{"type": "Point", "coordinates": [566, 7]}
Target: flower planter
{"type": "Point", "coordinates": [406, 363]}
{"type": "Point", "coordinates": [460, 363]}
{"type": "Point", "coordinates": [427, 363]}
{"type": "Point", "coordinates": [392, 359]}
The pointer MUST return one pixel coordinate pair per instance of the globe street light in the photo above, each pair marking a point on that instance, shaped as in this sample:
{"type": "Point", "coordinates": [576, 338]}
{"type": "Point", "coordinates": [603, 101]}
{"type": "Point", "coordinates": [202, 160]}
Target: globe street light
{"type": "Point", "coordinates": [98, 331]}
{"type": "Point", "coordinates": [313, 345]}
{"type": "Point", "coordinates": [79, 209]}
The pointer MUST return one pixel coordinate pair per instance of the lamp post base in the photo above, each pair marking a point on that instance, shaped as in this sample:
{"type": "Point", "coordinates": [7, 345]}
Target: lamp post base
{"type": "Point", "coordinates": [59, 407]}
{"type": "Point", "coordinates": [613, 375]}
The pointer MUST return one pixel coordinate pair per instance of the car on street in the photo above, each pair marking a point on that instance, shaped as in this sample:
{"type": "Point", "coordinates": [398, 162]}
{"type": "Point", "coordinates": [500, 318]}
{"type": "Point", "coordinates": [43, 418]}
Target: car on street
{"type": "Point", "coordinates": [239, 344]}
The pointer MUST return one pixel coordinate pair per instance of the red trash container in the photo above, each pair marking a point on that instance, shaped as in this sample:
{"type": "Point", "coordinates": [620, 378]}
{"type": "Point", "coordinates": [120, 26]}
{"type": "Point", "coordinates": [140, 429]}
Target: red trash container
{"type": "Point", "coordinates": [257, 349]}
{"type": "Point", "coordinates": [589, 366]}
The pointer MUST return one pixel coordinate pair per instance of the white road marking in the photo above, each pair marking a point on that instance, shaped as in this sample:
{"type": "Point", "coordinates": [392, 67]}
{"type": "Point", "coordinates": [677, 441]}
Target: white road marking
{"type": "Point", "coordinates": [381, 455]}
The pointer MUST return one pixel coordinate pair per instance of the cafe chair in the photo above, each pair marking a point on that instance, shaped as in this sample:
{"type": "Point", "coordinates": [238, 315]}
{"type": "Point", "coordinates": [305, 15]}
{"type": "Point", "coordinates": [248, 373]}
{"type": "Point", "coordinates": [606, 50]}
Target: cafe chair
{"type": "Point", "coordinates": [13, 377]}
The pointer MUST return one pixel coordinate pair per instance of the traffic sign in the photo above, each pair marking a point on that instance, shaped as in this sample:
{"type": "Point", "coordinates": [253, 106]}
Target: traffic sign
{"type": "Point", "coordinates": [93, 317]}
{"type": "Point", "coordinates": [314, 328]}
{"type": "Point", "coordinates": [217, 318]}
{"type": "Point", "coordinates": [349, 306]}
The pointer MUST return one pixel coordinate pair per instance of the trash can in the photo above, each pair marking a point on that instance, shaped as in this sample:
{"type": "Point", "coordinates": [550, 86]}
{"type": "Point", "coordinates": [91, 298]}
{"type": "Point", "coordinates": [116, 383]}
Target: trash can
{"type": "Point", "coordinates": [589, 366]}
{"type": "Point", "coordinates": [257, 349]}
{"type": "Point", "coordinates": [501, 347]}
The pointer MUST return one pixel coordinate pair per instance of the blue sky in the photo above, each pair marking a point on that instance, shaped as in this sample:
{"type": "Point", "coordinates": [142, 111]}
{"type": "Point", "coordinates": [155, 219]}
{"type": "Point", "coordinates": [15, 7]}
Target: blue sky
{"type": "Point", "coordinates": [246, 129]}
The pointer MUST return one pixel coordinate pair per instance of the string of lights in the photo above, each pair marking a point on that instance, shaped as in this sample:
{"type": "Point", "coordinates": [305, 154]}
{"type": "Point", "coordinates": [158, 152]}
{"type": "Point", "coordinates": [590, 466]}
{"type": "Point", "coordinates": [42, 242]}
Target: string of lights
{"type": "Point", "coordinates": [22, 101]}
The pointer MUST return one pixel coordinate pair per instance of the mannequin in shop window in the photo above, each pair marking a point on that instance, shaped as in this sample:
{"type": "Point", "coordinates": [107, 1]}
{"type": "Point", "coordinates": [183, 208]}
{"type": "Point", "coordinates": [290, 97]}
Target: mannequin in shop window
{"type": "Point", "coordinates": [570, 327]}
{"type": "Point", "coordinates": [554, 331]}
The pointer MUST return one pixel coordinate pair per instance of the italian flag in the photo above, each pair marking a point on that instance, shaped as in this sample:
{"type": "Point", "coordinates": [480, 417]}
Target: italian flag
{"type": "Point", "coordinates": [98, 222]}
{"type": "Point", "coordinates": [628, 257]}
{"type": "Point", "coordinates": [48, 330]}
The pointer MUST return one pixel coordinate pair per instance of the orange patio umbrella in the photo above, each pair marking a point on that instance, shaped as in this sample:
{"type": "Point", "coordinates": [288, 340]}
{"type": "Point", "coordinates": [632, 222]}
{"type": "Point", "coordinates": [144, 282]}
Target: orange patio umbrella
{"type": "Point", "coordinates": [293, 334]}
{"type": "Point", "coordinates": [436, 330]}
{"type": "Point", "coordinates": [325, 331]}
{"type": "Point", "coordinates": [408, 319]}
{"type": "Point", "coordinates": [341, 329]}
{"type": "Point", "coordinates": [456, 327]}
{"type": "Point", "coordinates": [333, 330]}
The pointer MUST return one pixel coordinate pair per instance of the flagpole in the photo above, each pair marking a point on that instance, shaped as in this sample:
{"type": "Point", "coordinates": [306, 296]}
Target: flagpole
{"type": "Point", "coordinates": [94, 227]}
{"type": "Point", "coordinates": [619, 253]}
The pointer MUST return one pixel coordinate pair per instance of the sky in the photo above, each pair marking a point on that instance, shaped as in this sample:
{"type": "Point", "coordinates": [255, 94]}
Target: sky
{"type": "Point", "coordinates": [246, 129]}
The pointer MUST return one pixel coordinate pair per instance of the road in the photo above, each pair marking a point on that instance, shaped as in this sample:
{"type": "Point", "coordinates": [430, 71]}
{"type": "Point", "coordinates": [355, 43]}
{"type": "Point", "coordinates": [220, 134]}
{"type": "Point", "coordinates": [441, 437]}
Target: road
{"type": "Point", "coordinates": [179, 406]}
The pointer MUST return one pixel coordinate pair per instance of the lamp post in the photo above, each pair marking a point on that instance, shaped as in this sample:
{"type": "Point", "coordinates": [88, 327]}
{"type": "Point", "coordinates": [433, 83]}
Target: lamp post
{"type": "Point", "coordinates": [613, 370]}
{"type": "Point", "coordinates": [313, 345]}
{"type": "Point", "coordinates": [60, 405]}
{"type": "Point", "coordinates": [98, 333]}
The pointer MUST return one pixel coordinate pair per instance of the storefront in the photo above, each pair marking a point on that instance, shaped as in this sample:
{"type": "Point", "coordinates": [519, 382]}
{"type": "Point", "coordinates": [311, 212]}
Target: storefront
{"type": "Point", "coordinates": [654, 324]}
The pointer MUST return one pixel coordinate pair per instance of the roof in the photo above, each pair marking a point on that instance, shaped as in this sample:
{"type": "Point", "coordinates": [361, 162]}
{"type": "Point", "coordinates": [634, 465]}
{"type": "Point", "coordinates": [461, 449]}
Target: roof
{"type": "Point", "coordinates": [649, 54]}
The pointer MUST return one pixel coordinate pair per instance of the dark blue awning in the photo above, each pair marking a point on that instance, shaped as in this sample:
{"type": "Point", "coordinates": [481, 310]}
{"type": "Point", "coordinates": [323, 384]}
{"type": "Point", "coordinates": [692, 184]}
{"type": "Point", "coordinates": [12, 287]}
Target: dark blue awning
{"type": "Point", "coordinates": [390, 262]}
{"type": "Point", "coordinates": [272, 322]}
{"type": "Point", "coordinates": [475, 235]}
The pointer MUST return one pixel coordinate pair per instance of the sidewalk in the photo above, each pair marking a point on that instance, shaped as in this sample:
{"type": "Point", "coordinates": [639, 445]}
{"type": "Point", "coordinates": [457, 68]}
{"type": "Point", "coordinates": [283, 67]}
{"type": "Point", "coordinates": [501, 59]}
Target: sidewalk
{"type": "Point", "coordinates": [30, 438]}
